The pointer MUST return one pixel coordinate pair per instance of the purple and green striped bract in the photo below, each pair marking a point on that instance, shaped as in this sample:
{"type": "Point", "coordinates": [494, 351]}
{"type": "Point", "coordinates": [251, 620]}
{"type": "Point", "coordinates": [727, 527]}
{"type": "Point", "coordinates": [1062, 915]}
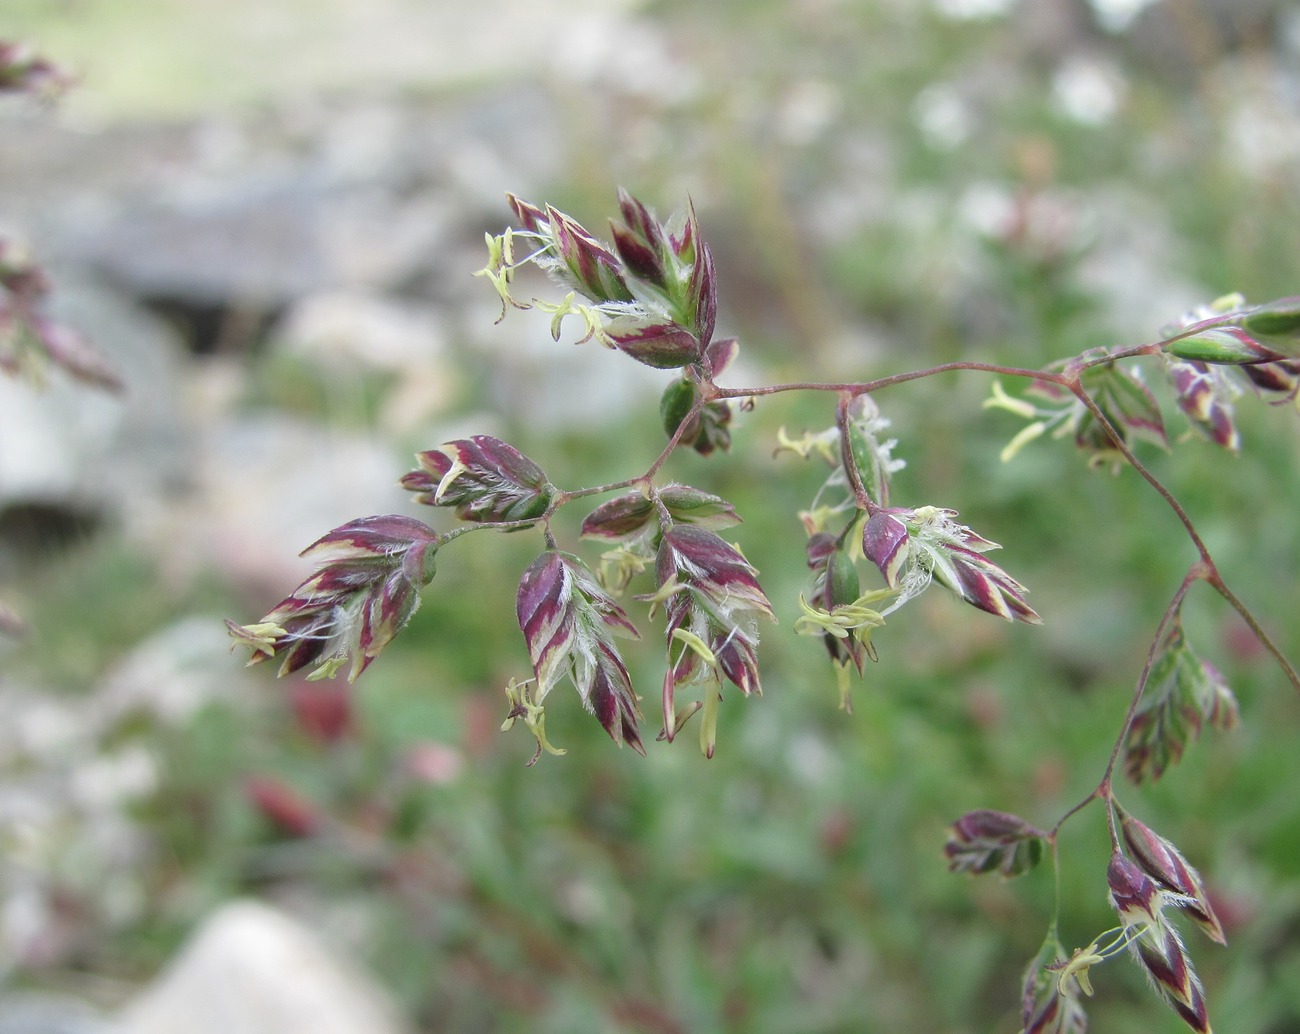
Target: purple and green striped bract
{"type": "Point", "coordinates": [568, 622]}
{"type": "Point", "coordinates": [484, 478]}
{"type": "Point", "coordinates": [711, 593]}
{"type": "Point", "coordinates": [366, 588]}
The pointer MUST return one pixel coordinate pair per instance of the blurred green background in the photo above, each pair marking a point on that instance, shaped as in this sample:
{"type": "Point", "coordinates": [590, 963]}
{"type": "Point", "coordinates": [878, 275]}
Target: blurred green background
{"type": "Point", "coordinates": [886, 186]}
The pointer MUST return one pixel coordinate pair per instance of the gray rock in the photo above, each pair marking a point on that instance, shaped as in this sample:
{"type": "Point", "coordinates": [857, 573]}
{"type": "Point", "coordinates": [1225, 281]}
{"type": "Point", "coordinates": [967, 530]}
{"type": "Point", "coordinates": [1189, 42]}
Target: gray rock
{"type": "Point", "coordinates": [170, 675]}
{"type": "Point", "coordinates": [65, 444]}
{"type": "Point", "coordinates": [347, 330]}
{"type": "Point", "coordinates": [259, 242]}
{"type": "Point", "coordinates": [343, 334]}
{"type": "Point", "coordinates": [251, 969]}
{"type": "Point", "coordinates": [266, 487]}
{"type": "Point", "coordinates": [51, 440]}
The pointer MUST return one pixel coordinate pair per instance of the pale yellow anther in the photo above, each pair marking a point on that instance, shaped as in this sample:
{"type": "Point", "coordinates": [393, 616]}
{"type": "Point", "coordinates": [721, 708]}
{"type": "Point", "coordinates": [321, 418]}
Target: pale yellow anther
{"type": "Point", "coordinates": [709, 722]}
{"type": "Point", "coordinates": [666, 591]}
{"type": "Point", "coordinates": [534, 716]}
{"type": "Point", "coordinates": [1001, 400]}
{"type": "Point", "coordinates": [822, 443]}
{"type": "Point", "coordinates": [815, 621]}
{"type": "Point", "coordinates": [844, 619]}
{"type": "Point", "coordinates": [843, 685]}
{"type": "Point", "coordinates": [261, 637]}
{"type": "Point", "coordinates": [1077, 968]}
{"type": "Point", "coordinates": [453, 472]}
{"type": "Point", "coordinates": [699, 646]}
{"type": "Point", "coordinates": [327, 670]}
{"type": "Point", "coordinates": [1026, 435]}
{"type": "Point", "coordinates": [619, 566]}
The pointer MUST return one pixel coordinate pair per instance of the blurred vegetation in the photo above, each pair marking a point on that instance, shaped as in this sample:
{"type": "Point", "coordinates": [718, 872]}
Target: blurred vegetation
{"type": "Point", "coordinates": [795, 883]}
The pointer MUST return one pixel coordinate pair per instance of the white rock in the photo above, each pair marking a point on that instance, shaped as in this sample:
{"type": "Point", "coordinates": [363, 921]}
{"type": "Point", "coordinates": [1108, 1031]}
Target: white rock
{"type": "Point", "coordinates": [169, 677]}
{"type": "Point", "coordinates": [267, 487]}
{"type": "Point", "coordinates": [351, 329]}
{"type": "Point", "coordinates": [250, 969]}
{"type": "Point", "coordinates": [66, 444]}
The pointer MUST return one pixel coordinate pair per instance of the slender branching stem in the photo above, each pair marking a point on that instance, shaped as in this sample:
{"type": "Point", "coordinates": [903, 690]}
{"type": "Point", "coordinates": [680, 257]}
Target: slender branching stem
{"type": "Point", "coordinates": [1115, 354]}
{"type": "Point", "coordinates": [1256, 629]}
{"type": "Point", "coordinates": [582, 493]}
{"type": "Point", "coordinates": [855, 388]}
{"type": "Point", "coordinates": [1103, 790]}
{"type": "Point", "coordinates": [691, 414]}
{"type": "Point", "coordinates": [1053, 927]}
{"type": "Point", "coordinates": [1194, 574]}
{"type": "Point", "coordinates": [1140, 468]}
{"type": "Point", "coordinates": [1209, 571]}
